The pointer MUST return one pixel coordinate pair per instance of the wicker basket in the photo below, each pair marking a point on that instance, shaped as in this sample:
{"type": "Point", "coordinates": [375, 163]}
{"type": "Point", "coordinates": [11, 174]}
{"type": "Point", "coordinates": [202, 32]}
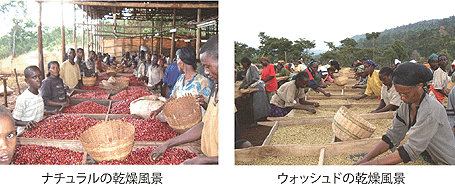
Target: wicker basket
{"type": "Point", "coordinates": [124, 80]}
{"type": "Point", "coordinates": [89, 81]}
{"type": "Point", "coordinates": [108, 140]}
{"type": "Point", "coordinates": [341, 81]}
{"type": "Point", "coordinates": [182, 113]}
{"type": "Point", "coordinates": [119, 70]}
{"type": "Point", "coordinates": [348, 125]}
{"type": "Point", "coordinates": [111, 73]}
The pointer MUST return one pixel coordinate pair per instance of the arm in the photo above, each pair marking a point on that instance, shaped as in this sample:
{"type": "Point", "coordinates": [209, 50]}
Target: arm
{"type": "Point", "coordinates": [359, 97]}
{"type": "Point", "coordinates": [388, 107]}
{"type": "Point", "coordinates": [382, 147]}
{"type": "Point", "coordinates": [191, 135]}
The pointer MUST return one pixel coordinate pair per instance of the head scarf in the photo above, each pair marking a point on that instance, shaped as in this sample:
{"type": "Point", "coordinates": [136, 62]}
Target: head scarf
{"type": "Point", "coordinates": [432, 58]}
{"type": "Point", "coordinates": [360, 69]}
{"type": "Point", "coordinates": [397, 61]}
{"type": "Point", "coordinates": [313, 62]}
{"type": "Point", "coordinates": [188, 55]}
{"type": "Point", "coordinates": [371, 63]}
{"type": "Point", "coordinates": [411, 74]}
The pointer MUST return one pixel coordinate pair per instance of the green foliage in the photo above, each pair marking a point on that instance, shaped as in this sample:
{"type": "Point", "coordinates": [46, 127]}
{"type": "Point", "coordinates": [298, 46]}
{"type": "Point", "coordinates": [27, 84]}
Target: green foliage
{"type": "Point", "coordinates": [284, 49]}
{"type": "Point", "coordinates": [242, 50]}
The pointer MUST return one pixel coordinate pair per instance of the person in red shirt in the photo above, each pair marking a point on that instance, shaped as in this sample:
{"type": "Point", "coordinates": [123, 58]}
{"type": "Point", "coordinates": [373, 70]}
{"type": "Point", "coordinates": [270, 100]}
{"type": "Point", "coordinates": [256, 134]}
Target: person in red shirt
{"type": "Point", "coordinates": [268, 76]}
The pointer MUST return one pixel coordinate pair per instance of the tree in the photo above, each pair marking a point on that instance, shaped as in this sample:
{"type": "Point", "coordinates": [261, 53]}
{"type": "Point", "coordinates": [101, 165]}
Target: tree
{"type": "Point", "coordinates": [243, 50]}
{"type": "Point", "coordinates": [374, 36]}
{"type": "Point", "coordinates": [18, 10]}
{"type": "Point", "coordinates": [331, 46]}
{"type": "Point", "coordinates": [348, 42]}
{"type": "Point", "coordinates": [415, 55]}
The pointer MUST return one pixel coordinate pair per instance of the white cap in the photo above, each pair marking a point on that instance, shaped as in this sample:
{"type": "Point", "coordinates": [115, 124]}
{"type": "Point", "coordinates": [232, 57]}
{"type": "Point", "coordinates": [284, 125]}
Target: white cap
{"type": "Point", "coordinates": [397, 61]}
{"type": "Point", "coordinates": [413, 61]}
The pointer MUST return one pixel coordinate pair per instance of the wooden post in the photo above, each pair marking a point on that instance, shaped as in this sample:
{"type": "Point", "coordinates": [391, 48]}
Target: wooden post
{"type": "Point", "coordinates": [5, 92]}
{"type": "Point", "coordinates": [161, 35]}
{"type": "Point", "coordinates": [153, 35]}
{"type": "Point", "coordinates": [74, 28]}
{"type": "Point", "coordinates": [88, 36]}
{"type": "Point", "coordinates": [173, 37]}
{"type": "Point", "coordinates": [63, 39]}
{"type": "Point", "coordinates": [17, 82]}
{"type": "Point", "coordinates": [198, 34]}
{"type": "Point", "coordinates": [40, 42]}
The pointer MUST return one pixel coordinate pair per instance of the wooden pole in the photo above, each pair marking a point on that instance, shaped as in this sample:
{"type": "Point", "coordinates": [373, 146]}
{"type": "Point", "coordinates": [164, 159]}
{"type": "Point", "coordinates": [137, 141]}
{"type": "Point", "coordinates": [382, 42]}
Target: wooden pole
{"type": "Point", "coordinates": [40, 42]}
{"type": "Point", "coordinates": [17, 82]}
{"type": "Point", "coordinates": [173, 37]}
{"type": "Point", "coordinates": [153, 35]}
{"type": "Point", "coordinates": [74, 28]}
{"type": "Point", "coordinates": [63, 39]}
{"type": "Point", "coordinates": [5, 92]}
{"type": "Point", "coordinates": [161, 35]}
{"type": "Point", "coordinates": [198, 34]}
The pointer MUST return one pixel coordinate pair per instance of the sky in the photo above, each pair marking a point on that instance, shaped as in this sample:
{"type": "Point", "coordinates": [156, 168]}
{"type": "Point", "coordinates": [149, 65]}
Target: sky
{"type": "Point", "coordinates": [330, 21]}
{"type": "Point", "coordinates": [51, 15]}
{"type": "Point", "coordinates": [319, 21]}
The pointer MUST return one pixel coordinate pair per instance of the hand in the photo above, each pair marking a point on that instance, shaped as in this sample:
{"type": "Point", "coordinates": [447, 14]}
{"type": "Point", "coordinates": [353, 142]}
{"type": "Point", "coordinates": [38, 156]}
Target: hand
{"type": "Point", "coordinates": [312, 110]}
{"type": "Point", "coordinates": [327, 94]}
{"type": "Point", "coordinates": [66, 104]}
{"type": "Point", "coordinates": [316, 104]}
{"type": "Point", "coordinates": [200, 100]}
{"type": "Point", "coordinates": [154, 113]}
{"type": "Point", "coordinates": [30, 125]}
{"type": "Point", "coordinates": [158, 152]}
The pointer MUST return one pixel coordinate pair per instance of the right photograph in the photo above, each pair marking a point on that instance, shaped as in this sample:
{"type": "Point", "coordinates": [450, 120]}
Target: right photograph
{"type": "Point", "coordinates": [349, 89]}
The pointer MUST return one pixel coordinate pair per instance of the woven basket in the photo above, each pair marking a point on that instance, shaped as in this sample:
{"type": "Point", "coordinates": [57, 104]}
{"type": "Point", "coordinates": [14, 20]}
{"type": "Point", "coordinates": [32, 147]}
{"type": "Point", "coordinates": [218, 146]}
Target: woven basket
{"type": "Point", "coordinates": [348, 125]}
{"type": "Point", "coordinates": [119, 70]}
{"type": "Point", "coordinates": [182, 113]}
{"type": "Point", "coordinates": [108, 140]}
{"type": "Point", "coordinates": [89, 81]}
{"type": "Point", "coordinates": [124, 80]}
{"type": "Point", "coordinates": [341, 81]}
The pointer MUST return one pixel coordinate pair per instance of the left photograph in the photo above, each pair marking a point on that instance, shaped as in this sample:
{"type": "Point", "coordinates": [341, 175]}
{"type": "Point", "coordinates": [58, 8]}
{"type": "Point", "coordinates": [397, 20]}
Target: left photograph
{"type": "Point", "coordinates": [109, 82]}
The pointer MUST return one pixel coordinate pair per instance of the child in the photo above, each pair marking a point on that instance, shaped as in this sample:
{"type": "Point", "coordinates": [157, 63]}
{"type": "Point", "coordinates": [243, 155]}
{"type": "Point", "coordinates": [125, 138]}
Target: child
{"type": "Point", "coordinates": [53, 90]}
{"type": "Point", "coordinates": [29, 107]}
{"type": "Point", "coordinates": [7, 136]}
{"type": "Point", "coordinates": [390, 99]}
{"type": "Point", "coordinates": [289, 94]}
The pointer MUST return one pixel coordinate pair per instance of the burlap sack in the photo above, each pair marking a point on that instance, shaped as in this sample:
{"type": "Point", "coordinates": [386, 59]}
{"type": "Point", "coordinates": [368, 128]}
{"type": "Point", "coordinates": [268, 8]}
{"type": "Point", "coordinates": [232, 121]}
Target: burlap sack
{"type": "Point", "coordinates": [142, 107]}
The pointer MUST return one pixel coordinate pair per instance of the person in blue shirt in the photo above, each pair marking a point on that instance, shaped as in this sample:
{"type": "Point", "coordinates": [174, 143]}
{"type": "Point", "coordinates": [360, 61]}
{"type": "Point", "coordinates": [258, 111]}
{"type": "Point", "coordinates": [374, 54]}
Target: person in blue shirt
{"type": "Point", "coordinates": [171, 74]}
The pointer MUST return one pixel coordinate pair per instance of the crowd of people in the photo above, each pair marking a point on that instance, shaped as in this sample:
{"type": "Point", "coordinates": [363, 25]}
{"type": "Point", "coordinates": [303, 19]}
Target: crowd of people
{"type": "Point", "coordinates": [43, 97]}
{"type": "Point", "coordinates": [414, 90]}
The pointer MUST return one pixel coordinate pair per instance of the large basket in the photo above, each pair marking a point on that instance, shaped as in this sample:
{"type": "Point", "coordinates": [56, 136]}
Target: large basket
{"type": "Point", "coordinates": [341, 81]}
{"type": "Point", "coordinates": [124, 80]}
{"type": "Point", "coordinates": [89, 81]}
{"type": "Point", "coordinates": [348, 125]}
{"type": "Point", "coordinates": [108, 140]}
{"type": "Point", "coordinates": [111, 73]}
{"type": "Point", "coordinates": [182, 113]}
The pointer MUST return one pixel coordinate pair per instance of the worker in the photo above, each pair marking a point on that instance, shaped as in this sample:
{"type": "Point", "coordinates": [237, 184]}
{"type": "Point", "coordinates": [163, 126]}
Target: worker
{"type": "Point", "coordinates": [207, 129]}
{"type": "Point", "coordinates": [374, 84]}
{"type": "Point", "coordinates": [289, 94]}
{"type": "Point", "coordinates": [390, 99]}
{"type": "Point", "coordinates": [422, 118]}
{"type": "Point", "coordinates": [8, 135]}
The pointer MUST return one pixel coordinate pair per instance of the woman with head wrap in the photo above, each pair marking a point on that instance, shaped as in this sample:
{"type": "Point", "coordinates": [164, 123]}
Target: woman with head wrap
{"type": "Point", "coordinates": [261, 106]}
{"type": "Point", "coordinates": [312, 71]}
{"type": "Point", "coordinates": [422, 118]}
{"type": "Point", "coordinates": [363, 78]}
{"type": "Point", "coordinates": [374, 84]}
{"type": "Point", "coordinates": [190, 82]}
{"type": "Point", "coordinates": [440, 77]}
